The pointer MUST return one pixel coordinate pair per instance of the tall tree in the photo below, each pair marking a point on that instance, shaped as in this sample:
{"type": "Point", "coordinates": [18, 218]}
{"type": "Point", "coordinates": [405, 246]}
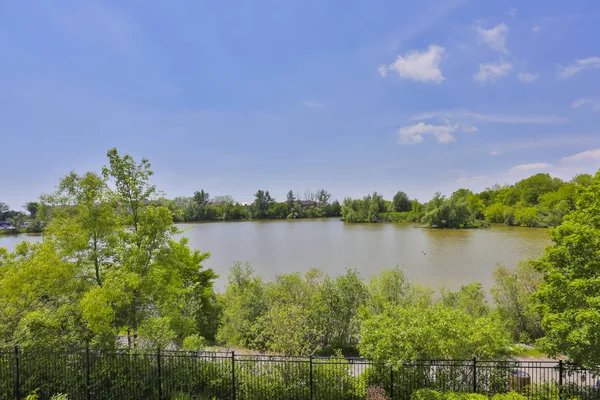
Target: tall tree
{"type": "Point", "coordinates": [568, 298]}
{"type": "Point", "coordinates": [201, 198]}
{"type": "Point", "coordinates": [291, 200]}
{"type": "Point", "coordinates": [323, 197]}
{"type": "Point", "coordinates": [84, 223]}
{"type": "Point", "coordinates": [32, 208]}
{"type": "Point", "coordinates": [262, 202]}
{"type": "Point", "coordinates": [401, 202]}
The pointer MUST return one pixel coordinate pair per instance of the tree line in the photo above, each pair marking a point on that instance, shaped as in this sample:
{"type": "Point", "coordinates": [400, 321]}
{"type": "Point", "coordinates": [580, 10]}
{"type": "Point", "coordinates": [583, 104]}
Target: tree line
{"type": "Point", "coordinates": [201, 207]}
{"type": "Point", "coordinates": [538, 201]}
{"type": "Point", "coordinates": [110, 273]}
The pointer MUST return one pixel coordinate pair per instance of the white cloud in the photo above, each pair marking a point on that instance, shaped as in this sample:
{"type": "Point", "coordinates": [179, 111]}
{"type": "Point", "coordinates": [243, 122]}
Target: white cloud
{"type": "Point", "coordinates": [527, 77]}
{"type": "Point", "coordinates": [530, 167]}
{"type": "Point", "coordinates": [536, 28]}
{"type": "Point", "coordinates": [579, 66]}
{"type": "Point", "coordinates": [495, 153]}
{"type": "Point", "coordinates": [512, 12]}
{"type": "Point", "coordinates": [491, 72]}
{"type": "Point", "coordinates": [382, 70]}
{"type": "Point", "coordinates": [420, 66]}
{"type": "Point", "coordinates": [583, 156]}
{"type": "Point", "coordinates": [414, 133]}
{"type": "Point", "coordinates": [509, 119]}
{"type": "Point", "coordinates": [312, 104]}
{"type": "Point", "coordinates": [494, 37]}
{"type": "Point", "coordinates": [469, 128]}
{"type": "Point", "coordinates": [594, 103]}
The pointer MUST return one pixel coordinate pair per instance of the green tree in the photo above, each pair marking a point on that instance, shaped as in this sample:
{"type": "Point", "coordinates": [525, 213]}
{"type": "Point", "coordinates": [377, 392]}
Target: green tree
{"type": "Point", "coordinates": [568, 297]}
{"type": "Point", "coordinates": [39, 295]}
{"type": "Point", "coordinates": [401, 202]}
{"type": "Point", "coordinates": [342, 299]}
{"type": "Point", "coordinates": [470, 299]}
{"type": "Point", "coordinates": [262, 202]}
{"type": "Point", "coordinates": [290, 201]}
{"type": "Point", "coordinates": [243, 303]}
{"type": "Point", "coordinates": [323, 197]}
{"type": "Point", "coordinates": [84, 223]}
{"type": "Point", "coordinates": [401, 334]}
{"type": "Point", "coordinates": [512, 292]}
{"type": "Point", "coordinates": [32, 208]}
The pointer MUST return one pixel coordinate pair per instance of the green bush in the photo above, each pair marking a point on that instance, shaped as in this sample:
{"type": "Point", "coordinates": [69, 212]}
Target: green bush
{"type": "Point", "coordinates": [509, 396]}
{"type": "Point", "coordinates": [427, 394]}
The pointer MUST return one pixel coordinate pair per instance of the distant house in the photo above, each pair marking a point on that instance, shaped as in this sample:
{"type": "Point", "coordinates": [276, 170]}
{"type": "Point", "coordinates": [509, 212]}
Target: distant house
{"type": "Point", "coordinates": [308, 203]}
{"type": "Point", "coordinates": [246, 204]}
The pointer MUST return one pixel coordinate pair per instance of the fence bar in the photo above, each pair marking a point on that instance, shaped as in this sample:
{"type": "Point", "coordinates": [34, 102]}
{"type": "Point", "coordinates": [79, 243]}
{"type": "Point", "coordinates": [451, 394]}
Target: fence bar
{"type": "Point", "coordinates": [88, 394]}
{"type": "Point", "coordinates": [474, 374]}
{"type": "Point", "coordinates": [392, 383]}
{"type": "Point", "coordinates": [310, 359]}
{"type": "Point", "coordinates": [159, 374]}
{"type": "Point", "coordinates": [560, 379]}
{"type": "Point", "coordinates": [17, 377]}
{"type": "Point", "coordinates": [233, 375]}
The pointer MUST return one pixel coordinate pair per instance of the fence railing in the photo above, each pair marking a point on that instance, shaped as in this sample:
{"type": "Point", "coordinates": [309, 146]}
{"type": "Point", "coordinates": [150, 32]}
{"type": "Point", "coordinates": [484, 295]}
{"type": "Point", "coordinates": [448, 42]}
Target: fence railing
{"type": "Point", "coordinates": [162, 375]}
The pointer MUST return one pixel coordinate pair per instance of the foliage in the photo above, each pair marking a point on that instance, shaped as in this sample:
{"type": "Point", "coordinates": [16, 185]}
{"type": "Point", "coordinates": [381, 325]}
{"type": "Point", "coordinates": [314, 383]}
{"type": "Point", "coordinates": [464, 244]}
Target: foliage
{"type": "Point", "coordinates": [512, 292]}
{"type": "Point", "coordinates": [368, 209]}
{"type": "Point", "coordinates": [400, 334]}
{"type": "Point", "coordinates": [430, 394]}
{"type": "Point", "coordinates": [401, 202]}
{"type": "Point", "coordinates": [568, 298]}
{"type": "Point", "coordinates": [107, 269]}
{"type": "Point", "coordinates": [470, 299]}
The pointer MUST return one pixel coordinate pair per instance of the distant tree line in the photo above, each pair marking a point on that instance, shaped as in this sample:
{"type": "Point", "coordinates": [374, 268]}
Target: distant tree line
{"type": "Point", "coordinates": [201, 207]}
{"type": "Point", "coordinates": [18, 221]}
{"type": "Point", "coordinates": [538, 201]}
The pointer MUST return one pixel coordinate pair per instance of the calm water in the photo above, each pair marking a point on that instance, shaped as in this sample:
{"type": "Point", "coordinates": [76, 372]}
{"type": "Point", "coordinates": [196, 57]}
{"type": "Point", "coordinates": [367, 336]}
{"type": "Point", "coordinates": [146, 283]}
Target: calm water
{"type": "Point", "coordinates": [431, 257]}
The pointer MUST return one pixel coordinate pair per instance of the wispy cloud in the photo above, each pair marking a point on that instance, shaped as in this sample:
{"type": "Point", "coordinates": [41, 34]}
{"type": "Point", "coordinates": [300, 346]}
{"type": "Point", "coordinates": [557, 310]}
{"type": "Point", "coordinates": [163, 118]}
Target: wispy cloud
{"type": "Point", "coordinates": [579, 66]}
{"type": "Point", "coordinates": [595, 104]}
{"type": "Point", "coordinates": [527, 77]}
{"type": "Point", "coordinates": [495, 153]}
{"type": "Point", "coordinates": [382, 71]}
{"type": "Point", "coordinates": [509, 119]}
{"type": "Point", "coordinates": [536, 29]}
{"type": "Point", "coordinates": [273, 118]}
{"type": "Point", "coordinates": [512, 12]}
{"type": "Point", "coordinates": [495, 37]}
{"type": "Point", "coordinates": [583, 156]}
{"type": "Point", "coordinates": [420, 66]}
{"type": "Point", "coordinates": [413, 134]}
{"type": "Point", "coordinates": [491, 72]}
{"type": "Point", "coordinates": [312, 104]}
{"type": "Point", "coordinates": [530, 167]}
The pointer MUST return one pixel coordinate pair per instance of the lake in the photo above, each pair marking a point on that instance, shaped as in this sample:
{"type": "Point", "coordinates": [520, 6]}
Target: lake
{"type": "Point", "coordinates": [431, 257]}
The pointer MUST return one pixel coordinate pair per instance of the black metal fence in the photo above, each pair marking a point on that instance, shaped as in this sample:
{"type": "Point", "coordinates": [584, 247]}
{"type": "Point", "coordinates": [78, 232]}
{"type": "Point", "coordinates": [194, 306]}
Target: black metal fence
{"type": "Point", "coordinates": [165, 375]}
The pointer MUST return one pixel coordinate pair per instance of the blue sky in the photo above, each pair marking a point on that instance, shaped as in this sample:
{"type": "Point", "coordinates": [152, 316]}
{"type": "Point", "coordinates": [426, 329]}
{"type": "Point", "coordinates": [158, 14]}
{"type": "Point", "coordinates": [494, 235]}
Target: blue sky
{"type": "Point", "coordinates": [350, 96]}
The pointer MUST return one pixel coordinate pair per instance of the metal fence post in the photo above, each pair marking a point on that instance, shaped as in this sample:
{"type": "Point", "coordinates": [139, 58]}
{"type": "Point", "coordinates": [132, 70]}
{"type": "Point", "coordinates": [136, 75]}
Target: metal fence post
{"type": "Point", "coordinates": [474, 374]}
{"type": "Point", "coordinates": [233, 375]}
{"type": "Point", "coordinates": [88, 394]}
{"type": "Point", "coordinates": [392, 382]}
{"type": "Point", "coordinates": [310, 360]}
{"type": "Point", "coordinates": [17, 377]}
{"type": "Point", "coordinates": [560, 379]}
{"type": "Point", "coordinates": [159, 374]}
